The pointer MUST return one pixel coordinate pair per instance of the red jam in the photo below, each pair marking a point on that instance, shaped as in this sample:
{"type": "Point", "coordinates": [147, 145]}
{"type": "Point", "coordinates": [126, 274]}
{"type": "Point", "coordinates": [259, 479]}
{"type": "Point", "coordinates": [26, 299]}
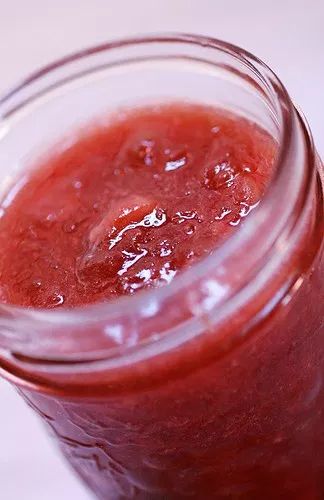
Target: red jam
{"type": "Point", "coordinates": [127, 207]}
{"type": "Point", "coordinates": [130, 204]}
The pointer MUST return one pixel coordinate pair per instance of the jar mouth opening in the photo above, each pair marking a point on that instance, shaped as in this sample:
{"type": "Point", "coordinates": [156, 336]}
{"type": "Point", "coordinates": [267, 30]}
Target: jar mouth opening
{"type": "Point", "coordinates": [86, 315]}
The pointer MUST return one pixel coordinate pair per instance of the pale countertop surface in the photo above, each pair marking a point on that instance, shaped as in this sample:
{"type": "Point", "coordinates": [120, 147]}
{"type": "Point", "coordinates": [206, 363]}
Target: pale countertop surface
{"type": "Point", "coordinates": [288, 35]}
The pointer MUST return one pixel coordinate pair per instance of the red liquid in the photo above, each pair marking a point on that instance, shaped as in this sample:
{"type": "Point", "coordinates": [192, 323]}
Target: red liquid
{"type": "Point", "coordinates": [187, 423]}
{"type": "Point", "coordinates": [131, 204]}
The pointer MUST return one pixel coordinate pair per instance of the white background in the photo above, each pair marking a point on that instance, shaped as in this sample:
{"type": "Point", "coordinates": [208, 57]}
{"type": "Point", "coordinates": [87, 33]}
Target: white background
{"type": "Point", "coordinates": [287, 34]}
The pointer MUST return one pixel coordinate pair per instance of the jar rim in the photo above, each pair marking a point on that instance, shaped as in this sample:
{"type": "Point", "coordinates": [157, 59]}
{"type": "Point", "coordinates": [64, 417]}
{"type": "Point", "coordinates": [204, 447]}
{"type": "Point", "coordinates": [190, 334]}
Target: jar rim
{"type": "Point", "coordinates": [130, 304]}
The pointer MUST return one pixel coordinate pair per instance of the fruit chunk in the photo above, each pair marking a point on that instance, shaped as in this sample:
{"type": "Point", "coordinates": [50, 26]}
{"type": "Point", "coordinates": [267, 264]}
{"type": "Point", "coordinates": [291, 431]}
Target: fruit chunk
{"type": "Point", "coordinates": [129, 211]}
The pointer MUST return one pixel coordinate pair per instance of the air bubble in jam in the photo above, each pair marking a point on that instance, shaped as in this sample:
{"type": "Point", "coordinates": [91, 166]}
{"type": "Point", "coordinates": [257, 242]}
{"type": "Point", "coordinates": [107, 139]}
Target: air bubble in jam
{"type": "Point", "coordinates": [248, 169]}
{"type": "Point", "coordinates": [37, 283]}
{"type": "Point", "coordinates": [57, 299]}
{"type": "Point", "coordinates": [143, 154]}
{"type": "Point", "coordinates": [69, 227]}
{"type": "Point", "coordinates": [190, 229]}
{"type": "Point", "coordinates": [220, 176]}
{"type": "Point", "coordinates": [166, 249]}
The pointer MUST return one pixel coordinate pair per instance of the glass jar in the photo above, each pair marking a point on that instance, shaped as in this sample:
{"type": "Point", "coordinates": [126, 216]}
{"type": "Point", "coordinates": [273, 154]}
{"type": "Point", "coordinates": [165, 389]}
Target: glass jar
{"type": "Point", "coordinates": [211, 387]}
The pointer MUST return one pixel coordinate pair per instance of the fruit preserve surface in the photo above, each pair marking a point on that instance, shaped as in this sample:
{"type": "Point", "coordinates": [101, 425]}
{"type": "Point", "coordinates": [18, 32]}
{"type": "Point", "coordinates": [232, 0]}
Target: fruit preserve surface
{"type": "Point", "coordinates": [130, 204]}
